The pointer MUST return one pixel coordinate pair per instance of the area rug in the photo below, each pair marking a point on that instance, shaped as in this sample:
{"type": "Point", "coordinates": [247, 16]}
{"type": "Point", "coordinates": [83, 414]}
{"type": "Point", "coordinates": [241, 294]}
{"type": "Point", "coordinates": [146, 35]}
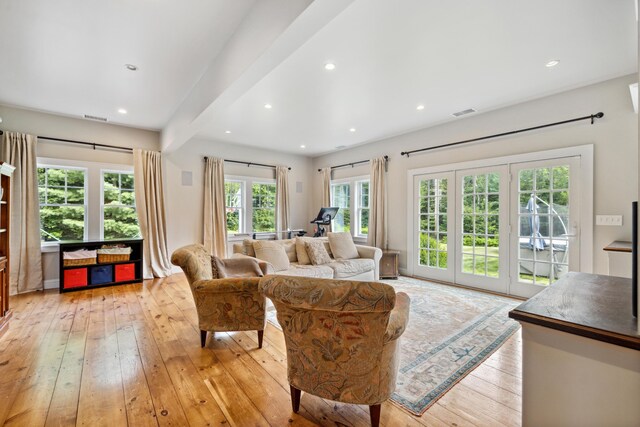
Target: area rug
{"type": "Point", "coordinates": [450, 332]}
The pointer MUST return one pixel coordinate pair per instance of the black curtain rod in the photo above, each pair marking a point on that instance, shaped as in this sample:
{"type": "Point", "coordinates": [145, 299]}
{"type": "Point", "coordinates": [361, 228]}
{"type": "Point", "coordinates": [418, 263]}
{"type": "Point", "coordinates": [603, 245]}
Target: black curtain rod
{"type": "Point", "coordinates": [352, 164]}
{"type": "Point", "coordinates": [250, 163]}
{"type": "Point", "coordinates": [591, 117]}
{"type": "Point", "coordinates": [94, 145]}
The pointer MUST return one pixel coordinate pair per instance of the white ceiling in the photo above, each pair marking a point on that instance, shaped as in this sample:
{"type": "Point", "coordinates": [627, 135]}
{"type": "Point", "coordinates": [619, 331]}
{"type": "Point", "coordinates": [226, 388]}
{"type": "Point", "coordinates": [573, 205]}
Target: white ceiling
{"type": "Point", "coordinates": [68, 57]}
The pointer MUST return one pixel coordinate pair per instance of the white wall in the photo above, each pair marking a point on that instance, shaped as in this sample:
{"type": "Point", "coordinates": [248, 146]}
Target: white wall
{"type": "Point", "coordinates": [615, 140]}
{"type": "Point", "coordinates": [184, 203]}
{"type": "Point", "coordinates": [43, 124]}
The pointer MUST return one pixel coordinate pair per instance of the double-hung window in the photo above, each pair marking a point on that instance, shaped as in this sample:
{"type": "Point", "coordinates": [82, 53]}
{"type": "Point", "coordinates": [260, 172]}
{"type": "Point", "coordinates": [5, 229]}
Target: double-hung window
{"type": "Point", "coordinates": [234, 202]}
{"type": "Point", "coordinates": [352, 197]}
{"type": "Point", "coordinates": [362, 208]}
{"type": "Point", "coordinates": [119, 217]}
{"type": "Point", "coordinates": [85, 201]}
{"type": "Point", "coordinates": [63, 203]}
{"type": "Point", "coordinates": [250, 205]}
{"type": "Point", "coordinates": [263, 195]}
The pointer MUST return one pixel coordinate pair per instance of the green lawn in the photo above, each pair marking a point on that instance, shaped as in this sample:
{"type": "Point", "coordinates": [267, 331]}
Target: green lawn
{"type": "Point", "coordinates": [491, 262]}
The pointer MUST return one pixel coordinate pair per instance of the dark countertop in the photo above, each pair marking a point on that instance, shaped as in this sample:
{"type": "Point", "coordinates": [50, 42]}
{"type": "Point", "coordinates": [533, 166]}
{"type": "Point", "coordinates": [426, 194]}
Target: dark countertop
{"type": "Point", "coordinates": [589, 305]}
{"type": "Point", "coordinates": [618, 246]}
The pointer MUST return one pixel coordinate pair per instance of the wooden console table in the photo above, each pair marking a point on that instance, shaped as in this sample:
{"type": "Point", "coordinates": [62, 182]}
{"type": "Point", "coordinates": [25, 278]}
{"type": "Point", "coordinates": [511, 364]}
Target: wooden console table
{"type": "Point", "coordinates": [581, 353]}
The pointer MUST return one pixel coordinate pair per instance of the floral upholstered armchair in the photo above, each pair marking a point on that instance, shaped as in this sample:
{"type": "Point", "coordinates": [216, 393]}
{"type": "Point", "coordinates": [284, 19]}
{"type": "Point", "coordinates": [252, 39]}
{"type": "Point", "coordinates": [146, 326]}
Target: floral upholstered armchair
{"type": "Point", "coordinates": [341, 336]}
{"type": "Point", "coordinates": [223, 304]}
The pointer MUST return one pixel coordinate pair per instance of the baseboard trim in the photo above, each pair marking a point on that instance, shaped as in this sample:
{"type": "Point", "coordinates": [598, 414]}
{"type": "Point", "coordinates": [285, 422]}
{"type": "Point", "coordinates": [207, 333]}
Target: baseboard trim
{"type": "Point", "coordinates": [52, 284]}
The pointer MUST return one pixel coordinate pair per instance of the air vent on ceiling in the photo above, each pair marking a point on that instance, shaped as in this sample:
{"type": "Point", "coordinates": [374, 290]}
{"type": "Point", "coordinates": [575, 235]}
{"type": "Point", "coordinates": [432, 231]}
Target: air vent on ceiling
{"type": "Point", "coordinates": [463, 112]}
{"type": "Point", "coordinates": [340, 147]}
{"type": "Point", "coordinates": [90, 117]}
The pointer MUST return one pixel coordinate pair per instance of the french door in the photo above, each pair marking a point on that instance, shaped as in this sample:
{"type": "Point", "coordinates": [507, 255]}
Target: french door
{"type": "Point", "coordinates": [509, 228]}
{"type": "Point", "coordinates": [434, 201]}
{"type": "Point", "coordinates": [482, 246]}
{"type": "Point", "coordinates": [545, 216]}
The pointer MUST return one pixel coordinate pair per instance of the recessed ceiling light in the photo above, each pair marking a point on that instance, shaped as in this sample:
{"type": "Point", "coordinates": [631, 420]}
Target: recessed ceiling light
{"type": "Point", "coordinates": [227, 131]}
{"type": "Point", "coordinates": [131, 67]}
{"type": "Point", "coordinates": [420, 107]}
{"type": "Point", "coordinates": [303, 146]}
{"type": "Point", "coordinates": [352, 130]}
{"type": "Point", "coordinates": [122, 111]}
{"type": "Point", "coordinates": [329, 66]}
{"type": "Point", "coordinates": [552, 63]}
{"type": "Point", "coordinates": [268, 106]}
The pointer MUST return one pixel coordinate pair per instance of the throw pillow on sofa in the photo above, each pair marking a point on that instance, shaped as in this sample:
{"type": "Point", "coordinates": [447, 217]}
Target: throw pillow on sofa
{"type": "Point", "coordinates": [317, 252]}
{"type": "Point", "coordinates": [272, 252]}
{"type": "Point", "coordinates": [342, 246]}
{"type": "Point", "coordinates": [235, 267]}
{"type": "Point", "coordinates": [301, 251]}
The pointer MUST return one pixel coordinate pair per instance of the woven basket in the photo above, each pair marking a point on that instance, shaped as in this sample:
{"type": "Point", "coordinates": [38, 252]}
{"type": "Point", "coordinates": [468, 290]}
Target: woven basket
{"type": "Point", "coordinates": [75, 262]}
{"type": "Point", "coordinates": [104, 258]}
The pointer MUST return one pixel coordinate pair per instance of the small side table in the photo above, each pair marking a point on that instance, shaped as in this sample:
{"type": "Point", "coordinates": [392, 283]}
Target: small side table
{"type": "Point", "coordinates": [389, 264]}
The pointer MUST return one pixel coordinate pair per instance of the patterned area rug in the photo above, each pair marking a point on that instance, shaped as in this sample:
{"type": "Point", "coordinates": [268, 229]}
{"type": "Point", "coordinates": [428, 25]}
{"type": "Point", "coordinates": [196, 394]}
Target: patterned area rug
{"type": "Point", "coordinates": [450, 332]}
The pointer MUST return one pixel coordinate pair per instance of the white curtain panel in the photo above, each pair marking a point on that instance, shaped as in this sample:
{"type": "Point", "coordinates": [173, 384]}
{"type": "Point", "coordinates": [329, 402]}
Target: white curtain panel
{"type": "Point", "coordinates": [326, 191]}
{"type": "Point", "coordinates": [25, 257]}
{"type": "Point", "coordinates": [215, 213]}
{"type": "Point", "coordinates": [147, 170]}
{"type": "Point", "coordinates": [378, 204]}
{"type": "Point", "coordinates": [282, 200]}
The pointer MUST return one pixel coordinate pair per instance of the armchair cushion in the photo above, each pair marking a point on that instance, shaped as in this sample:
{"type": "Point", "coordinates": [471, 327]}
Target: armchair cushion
{"type": "Point", "coordinates": [235, 267]}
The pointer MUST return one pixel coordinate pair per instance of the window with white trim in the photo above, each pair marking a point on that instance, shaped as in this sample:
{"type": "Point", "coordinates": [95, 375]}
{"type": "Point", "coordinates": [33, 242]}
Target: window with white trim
{"type": "Point", "coordinates": [234, 202]}
{"type": "Point", "coordinates": [250, 205]}
{"type": "Point", "coordinates": [82, 200]}
{"type": "Point", "coordinates": [352, 197]}
{"type": "Point", "coordinates": [118, 207]}
{"type": "Point", "coordinates": [63, 203]}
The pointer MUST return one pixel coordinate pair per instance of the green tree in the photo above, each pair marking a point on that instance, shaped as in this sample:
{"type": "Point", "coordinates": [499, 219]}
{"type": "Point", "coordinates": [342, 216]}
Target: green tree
{"type": "Point", "coordinates": [264, 207]}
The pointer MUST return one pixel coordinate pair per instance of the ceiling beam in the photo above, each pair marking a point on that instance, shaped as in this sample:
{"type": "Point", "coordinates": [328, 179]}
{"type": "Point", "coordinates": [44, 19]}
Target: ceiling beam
{"type": "Point", "coordinates": [270, 33]}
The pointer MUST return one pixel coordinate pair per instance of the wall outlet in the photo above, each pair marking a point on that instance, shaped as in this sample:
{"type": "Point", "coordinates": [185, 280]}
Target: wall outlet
{"type": "Point", "coordinates": [609, 220]}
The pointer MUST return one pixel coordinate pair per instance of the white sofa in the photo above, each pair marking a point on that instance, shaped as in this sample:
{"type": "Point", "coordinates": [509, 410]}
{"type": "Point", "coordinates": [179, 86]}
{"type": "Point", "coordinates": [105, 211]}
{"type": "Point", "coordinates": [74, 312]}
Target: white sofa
{"type": "Point", "coordinates": [365, 268]}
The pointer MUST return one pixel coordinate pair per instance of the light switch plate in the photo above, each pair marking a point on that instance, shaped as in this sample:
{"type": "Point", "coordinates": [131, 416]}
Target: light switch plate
{"type": "Point", "coordinates": [615, 220]}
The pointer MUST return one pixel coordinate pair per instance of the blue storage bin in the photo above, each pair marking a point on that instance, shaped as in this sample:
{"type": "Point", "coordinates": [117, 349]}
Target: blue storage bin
{"type": "Point", "coordinates": [101, 274]}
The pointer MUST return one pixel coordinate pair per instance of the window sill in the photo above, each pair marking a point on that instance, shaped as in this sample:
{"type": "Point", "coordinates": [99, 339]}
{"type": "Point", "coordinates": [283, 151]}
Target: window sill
{"type": "Point", "coordinates": [49, 248]}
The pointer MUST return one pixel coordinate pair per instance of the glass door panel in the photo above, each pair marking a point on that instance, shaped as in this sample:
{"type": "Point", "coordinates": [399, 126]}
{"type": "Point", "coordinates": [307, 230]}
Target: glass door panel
{"type": "Point", "coordinates": [432, 211]}
{"type": "Point", "coordinates": [481, 239]}
{"type": "Point", "coordinates": [546, 219]}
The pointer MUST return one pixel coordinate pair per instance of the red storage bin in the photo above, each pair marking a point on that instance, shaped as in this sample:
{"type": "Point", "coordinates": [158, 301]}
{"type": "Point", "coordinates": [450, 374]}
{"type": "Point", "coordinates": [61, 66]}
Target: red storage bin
{"type": "Point", "coordinates": [75, 278]}
{"type": "Point", "coordinates": [125, 272]}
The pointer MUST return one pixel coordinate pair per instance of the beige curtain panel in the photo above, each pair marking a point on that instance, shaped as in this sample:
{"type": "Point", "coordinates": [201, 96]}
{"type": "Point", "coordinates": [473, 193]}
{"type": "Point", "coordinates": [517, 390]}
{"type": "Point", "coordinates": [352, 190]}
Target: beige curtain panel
{"type": "Point", "coordinates": [147, 170]}
{"type": "Point", "coordinates": [25, 264]}
{"type": "Point", "coordinates": [282, 200]}
{"type": "Point", "coordinates": [326, 191]}
{"type": "Point", "coordinates": [215, 212]}
{"type": "Point", "coordinates": [378, 204]}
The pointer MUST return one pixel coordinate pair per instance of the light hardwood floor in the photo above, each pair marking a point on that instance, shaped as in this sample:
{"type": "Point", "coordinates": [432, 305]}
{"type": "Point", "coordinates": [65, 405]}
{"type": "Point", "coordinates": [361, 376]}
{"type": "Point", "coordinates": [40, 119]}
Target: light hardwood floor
{"type": "Point", "coordinates": [130, 355]}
